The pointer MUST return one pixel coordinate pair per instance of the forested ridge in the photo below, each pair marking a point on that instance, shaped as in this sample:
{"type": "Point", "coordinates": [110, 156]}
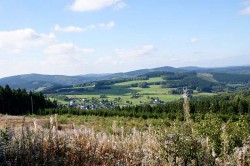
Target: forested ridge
{"type": "Point", "coordinates": [200, 81]}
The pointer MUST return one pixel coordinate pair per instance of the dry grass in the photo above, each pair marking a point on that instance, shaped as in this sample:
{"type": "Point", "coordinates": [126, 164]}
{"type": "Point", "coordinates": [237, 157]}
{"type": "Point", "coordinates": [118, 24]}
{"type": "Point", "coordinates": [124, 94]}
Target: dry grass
{"type": "Point", "coordinates": [36, 145]}
{"type": "Point", "coordinates": [27, 141]}
{"type": "Point", "coordinates": [45, 142]}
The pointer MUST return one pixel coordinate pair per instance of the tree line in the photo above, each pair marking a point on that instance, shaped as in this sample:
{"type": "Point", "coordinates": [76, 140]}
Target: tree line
{"type": "Point", "coordinates": [19, 101]}
{"type": "Point", "coordinates": [225, 106]}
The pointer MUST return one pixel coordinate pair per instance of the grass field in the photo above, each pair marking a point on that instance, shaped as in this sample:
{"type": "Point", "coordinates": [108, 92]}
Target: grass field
{"type": "Point", "coordinates": [207, 76]}
{"type": "Point", "coordinates": [124, 98]}
{"type": "Point", "coordinates": [121, 90]}
{"type": "Point", "coordinates": [150, 80]}
{"type": "Point", "coordinates": [154, 91]}
{"type": "Point", "coordinates": [92, 140]}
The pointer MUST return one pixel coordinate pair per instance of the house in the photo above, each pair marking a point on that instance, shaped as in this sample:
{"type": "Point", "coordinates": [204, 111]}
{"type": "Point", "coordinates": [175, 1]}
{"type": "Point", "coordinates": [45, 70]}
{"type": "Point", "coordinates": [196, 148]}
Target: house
{"type": "Point", "coordinates": [83, 107]}
{"type": "Point", "coordinates": [59, 104]}
{"type": "Point", "coordinates": [72, 103]}
{"type": "Point", "coordinates": [84, 99]}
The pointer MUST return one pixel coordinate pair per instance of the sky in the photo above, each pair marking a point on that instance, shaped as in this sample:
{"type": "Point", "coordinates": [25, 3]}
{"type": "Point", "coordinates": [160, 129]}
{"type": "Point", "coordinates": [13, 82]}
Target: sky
{"type": "Point", "coordinates": [75, 37]}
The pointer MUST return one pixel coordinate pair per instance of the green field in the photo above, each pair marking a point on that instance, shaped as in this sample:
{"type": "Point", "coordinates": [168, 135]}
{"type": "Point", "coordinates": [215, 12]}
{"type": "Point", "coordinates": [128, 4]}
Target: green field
{"type": "Point", "coordinates": [125, 98]}
{"type": "Point", "coordinates": [150, 80]}
{"type": "Point", "coordinates": [125, 92]}
{"type": "Point", "coordinates": [59, 101]}
{"type": "Point", "coordinates": [119, 90]}
{"type": "Point", "coordinates": [207, 76]}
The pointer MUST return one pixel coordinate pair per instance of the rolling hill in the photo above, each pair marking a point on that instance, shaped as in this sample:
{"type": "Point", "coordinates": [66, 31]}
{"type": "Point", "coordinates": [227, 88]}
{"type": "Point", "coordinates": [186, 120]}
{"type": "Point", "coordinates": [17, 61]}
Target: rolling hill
{"type": "Point", "coordinates": [39, 81]}
{"type": "Point", "coordinates": [36, 81]}
{"type": "Point", "coordinates": [230, 69]}
{"type": "Point", "coordinates": [154, 87]}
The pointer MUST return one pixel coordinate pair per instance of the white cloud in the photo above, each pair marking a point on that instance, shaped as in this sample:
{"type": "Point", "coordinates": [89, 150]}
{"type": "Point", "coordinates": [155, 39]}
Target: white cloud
{"type": "Point", "coordinates": [87, 5]}
{"type": "Point", "coordinates": [17, 40]}
{"type": "Point", "coordinates": [66, 49]}
{"type": "Point", "coordinates": [68, 28]}
{"type": "Point", "coordinates": [194, 40]}
{"type": "Point", "coordinates": [106, 26]}
{"type": "Point", "coordinates": [107, 60]}
{"type": "Point", "coordinates": [65, 58]}
{"type": "Point", "coordinates": [246, 11]}
{"type": "Point", "coordinates": [136, 52]}
{"type": "Point", "coordinates": [121, 5]}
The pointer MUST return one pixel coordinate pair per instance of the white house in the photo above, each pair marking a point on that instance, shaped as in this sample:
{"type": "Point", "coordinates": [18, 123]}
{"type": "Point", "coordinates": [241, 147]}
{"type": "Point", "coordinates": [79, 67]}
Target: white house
{"type": "Point", "coordinates": [72, 103]}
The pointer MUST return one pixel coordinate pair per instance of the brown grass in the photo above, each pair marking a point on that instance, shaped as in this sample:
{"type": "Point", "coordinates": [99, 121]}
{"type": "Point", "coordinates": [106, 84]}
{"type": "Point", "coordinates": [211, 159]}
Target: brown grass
{"type": "Point", "coordinates": [29, 145]}
{"type": "Point", "coordinates": [41, 142]}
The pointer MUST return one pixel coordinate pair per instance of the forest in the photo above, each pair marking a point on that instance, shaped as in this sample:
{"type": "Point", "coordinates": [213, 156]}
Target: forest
{"type": "Point", "coordinates": [21, 102]}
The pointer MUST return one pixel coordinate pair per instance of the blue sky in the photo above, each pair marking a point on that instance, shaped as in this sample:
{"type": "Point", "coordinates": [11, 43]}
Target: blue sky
{"type": "Point", "coordinates": [75, 37]}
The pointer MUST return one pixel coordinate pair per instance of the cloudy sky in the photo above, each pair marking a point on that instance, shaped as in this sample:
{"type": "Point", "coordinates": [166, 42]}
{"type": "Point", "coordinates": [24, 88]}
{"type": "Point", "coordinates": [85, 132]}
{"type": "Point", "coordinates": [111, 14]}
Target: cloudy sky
{"type": "Point", "coordinates": [73, 37]}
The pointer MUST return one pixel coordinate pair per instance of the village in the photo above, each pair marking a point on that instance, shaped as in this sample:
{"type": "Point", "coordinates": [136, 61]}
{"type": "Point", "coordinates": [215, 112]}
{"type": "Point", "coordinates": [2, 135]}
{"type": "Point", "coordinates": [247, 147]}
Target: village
{"type": "Point", "coordinates": [103, 103]}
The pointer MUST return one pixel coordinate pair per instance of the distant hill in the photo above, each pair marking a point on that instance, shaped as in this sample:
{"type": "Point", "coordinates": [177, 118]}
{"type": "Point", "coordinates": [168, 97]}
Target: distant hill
{"type": "Point", "coordinates": [158, 81]}
{"type": "Point", "coordinates": [35, 81]}
{"type": "Point", "coordinates": [39, 81]}
{"type": "Point", "coordinates": [142, 71]}
{"type": "Point", "coordinates": [94, 75]}
{"type": "Point", "coordinates": [230, 70]}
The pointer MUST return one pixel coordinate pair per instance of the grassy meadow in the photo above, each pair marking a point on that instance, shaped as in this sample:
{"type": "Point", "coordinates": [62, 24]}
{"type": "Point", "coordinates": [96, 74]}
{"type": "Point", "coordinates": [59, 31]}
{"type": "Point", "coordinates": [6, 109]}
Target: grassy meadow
{"type": "Point", "coordinates": [124, 92]}
{"type": "Point", "coordinates": [94, 140]}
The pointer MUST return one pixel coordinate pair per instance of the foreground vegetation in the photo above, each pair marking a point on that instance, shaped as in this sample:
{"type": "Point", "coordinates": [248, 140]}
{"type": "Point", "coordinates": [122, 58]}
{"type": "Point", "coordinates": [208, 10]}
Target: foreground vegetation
{"type": "Point", "coordinates": [123, 141]}
{"type": "Point", "coordinates": [197, 131]}
{"type": "Point", "coordinates": [205, 139]}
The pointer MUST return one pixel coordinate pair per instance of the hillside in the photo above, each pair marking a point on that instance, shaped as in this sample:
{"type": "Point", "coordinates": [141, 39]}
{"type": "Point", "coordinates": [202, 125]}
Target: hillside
{"type": "Point", "coordinates": [151, 88]}
{"type": "Point", "coordinates": [230, 70]}
{"type": "Point", "coordinates": [142, 71]}
{"type": "Point", "coordinates": [39, 81]}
